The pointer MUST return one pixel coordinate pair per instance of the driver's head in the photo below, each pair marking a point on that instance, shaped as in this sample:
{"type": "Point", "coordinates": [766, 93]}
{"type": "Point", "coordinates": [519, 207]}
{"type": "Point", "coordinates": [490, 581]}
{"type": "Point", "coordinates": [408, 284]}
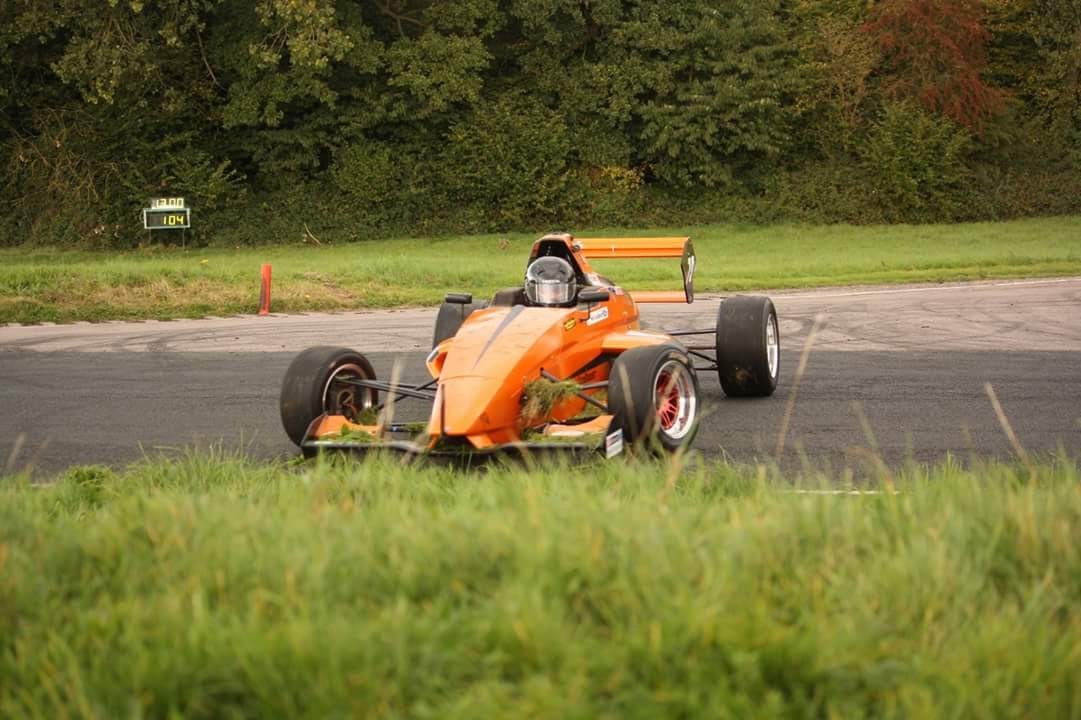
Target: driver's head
{"type": "Point", "coordinates": [549, 282]}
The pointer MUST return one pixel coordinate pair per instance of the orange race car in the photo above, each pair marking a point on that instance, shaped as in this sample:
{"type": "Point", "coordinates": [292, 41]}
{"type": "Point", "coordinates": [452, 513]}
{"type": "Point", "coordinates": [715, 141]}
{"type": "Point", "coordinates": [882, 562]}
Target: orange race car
{"type": "Point", "coordinates": [559, 363]}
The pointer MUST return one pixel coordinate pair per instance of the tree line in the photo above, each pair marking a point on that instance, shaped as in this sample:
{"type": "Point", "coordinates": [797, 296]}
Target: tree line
{"type": "Point", "coordinates": [345, 119]}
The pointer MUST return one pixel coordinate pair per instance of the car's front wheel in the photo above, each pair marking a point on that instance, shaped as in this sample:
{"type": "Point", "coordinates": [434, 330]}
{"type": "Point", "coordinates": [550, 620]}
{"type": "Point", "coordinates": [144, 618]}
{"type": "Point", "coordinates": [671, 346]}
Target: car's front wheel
{"type": "Point", "coordinates": [653, 397]}
{"type": "Point", "coordinates": [317, 383]}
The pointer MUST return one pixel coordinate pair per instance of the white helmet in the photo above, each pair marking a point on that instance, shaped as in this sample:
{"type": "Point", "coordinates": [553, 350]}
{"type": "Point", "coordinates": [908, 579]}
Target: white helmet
{"type": "Point", "coordinates": [549, 281]}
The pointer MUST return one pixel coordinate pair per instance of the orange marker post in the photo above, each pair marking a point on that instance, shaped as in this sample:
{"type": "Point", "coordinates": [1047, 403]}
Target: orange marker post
{"type": "Point", "coordinates": [264, 291]}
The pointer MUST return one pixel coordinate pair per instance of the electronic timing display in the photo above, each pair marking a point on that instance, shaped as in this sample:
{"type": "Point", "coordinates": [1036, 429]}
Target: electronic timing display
{"type": "Point", "coordinates": [167, 214]}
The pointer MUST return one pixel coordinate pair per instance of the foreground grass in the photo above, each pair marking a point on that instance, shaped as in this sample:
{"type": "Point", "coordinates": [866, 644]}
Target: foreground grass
{"type": "Point", "coordinates": [48, 285]}
{"type": "Point", "coordinates": [210, 587]}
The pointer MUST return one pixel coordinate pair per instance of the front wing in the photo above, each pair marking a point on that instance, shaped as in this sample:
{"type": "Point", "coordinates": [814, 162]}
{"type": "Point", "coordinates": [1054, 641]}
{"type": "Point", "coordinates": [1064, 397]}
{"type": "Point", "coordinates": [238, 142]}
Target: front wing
{"type": "Point", "coordinates": [594, 438]}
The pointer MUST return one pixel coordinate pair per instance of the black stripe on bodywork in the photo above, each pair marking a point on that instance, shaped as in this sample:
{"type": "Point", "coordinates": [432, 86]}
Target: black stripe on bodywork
{"type": "Point", "coordinates": [514, 312]}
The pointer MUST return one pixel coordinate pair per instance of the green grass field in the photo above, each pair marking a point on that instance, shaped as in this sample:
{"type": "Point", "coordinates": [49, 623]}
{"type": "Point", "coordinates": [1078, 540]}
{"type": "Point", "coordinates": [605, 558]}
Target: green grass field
{"type": "Point", "coordinates": [209, 586]}
{"type": "Point", "coordinates": [55, 285]}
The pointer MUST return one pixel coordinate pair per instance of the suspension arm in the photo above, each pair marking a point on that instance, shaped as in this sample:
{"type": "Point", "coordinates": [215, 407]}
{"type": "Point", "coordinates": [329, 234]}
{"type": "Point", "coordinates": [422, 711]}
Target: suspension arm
{"type": "Point", "coordinates": [418, 388]}
{"type": "Point", "coordinates": [410, 392]}
{"type": "Point", "coordinates": [682, 333]}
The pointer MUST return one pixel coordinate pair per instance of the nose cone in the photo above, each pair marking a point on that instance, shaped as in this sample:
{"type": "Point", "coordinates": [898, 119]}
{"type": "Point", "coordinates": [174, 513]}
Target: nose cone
{"type": "Point", "coordinates": [492, 343]}
{"type": "Point", "coordinates": [471, 405]}
{"type": "Point", "coordinates": [491, 357]}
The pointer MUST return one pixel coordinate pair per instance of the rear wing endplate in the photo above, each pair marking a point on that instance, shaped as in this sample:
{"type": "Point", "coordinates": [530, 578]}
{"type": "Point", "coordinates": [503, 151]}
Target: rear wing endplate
{"type": "Point", "coordinates": [655, 247]}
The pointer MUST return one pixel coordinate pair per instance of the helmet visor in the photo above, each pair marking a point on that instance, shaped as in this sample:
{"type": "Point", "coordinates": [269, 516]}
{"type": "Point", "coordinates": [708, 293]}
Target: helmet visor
{"type": "Point", "coordinates": [553, 292]}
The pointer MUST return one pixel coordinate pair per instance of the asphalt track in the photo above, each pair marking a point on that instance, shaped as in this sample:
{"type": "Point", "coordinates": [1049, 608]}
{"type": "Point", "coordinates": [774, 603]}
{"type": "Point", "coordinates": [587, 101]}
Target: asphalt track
{"type": "Point", "coordinates": [895, 372]}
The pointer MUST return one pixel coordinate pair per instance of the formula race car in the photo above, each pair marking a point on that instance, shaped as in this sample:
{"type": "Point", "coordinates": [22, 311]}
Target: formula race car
{"type": "Point", "coordinates": [558, 364]}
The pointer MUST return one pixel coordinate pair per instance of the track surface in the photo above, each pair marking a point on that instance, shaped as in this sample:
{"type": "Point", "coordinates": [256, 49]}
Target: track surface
{"type": "Point", "coordinates": [900, 369]}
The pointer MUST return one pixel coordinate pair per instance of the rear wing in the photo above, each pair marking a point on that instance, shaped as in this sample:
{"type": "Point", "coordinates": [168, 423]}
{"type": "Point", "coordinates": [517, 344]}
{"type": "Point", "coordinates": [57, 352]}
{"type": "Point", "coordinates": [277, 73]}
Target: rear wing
{"type": "Point", "coordinates": [658, 247]}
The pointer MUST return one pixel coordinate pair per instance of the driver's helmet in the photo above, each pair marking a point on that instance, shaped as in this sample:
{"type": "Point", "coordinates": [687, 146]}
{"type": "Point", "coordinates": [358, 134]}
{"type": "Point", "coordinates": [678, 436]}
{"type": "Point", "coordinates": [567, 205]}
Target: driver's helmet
{"type": "Point", "coordinates": [549, 281]}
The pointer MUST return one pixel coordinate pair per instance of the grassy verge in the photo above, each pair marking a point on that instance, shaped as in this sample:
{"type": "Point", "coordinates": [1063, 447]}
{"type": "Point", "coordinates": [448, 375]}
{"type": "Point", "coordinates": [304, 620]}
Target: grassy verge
{"type": "Point", "coordinates": [210, 587]}
{"type": "Point", "coordinates": [39, 285]}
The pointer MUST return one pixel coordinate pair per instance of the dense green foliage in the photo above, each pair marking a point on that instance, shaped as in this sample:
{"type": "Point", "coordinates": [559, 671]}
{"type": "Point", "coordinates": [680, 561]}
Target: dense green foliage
{"type": "Point", "coordinates": [329, 119]}
{"type": "Point", "coordinates": [212, 587]}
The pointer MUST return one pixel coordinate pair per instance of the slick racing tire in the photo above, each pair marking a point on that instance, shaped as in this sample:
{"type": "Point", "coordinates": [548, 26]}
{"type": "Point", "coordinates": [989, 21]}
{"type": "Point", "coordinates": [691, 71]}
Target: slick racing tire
{"type": "Point", "coordinates": [748, 346]}
{"type": "Point", "coordinates": [450, 318]}
{"type": "Point", "coordinates": [312, 387]}
{"type": "Point", "coordinates": [653, 397]}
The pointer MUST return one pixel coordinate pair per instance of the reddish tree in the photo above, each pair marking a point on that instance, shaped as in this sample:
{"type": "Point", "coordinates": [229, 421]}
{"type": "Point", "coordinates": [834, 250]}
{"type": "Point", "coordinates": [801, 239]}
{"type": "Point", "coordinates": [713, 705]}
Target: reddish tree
{"type": "Point", "coordinates": [937, 50]}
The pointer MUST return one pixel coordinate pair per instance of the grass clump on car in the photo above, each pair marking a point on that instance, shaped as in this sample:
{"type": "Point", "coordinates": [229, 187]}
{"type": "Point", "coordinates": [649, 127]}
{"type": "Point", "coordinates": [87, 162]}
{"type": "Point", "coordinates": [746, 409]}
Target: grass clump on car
{"type": "Point", "coordinates": [541, 395]}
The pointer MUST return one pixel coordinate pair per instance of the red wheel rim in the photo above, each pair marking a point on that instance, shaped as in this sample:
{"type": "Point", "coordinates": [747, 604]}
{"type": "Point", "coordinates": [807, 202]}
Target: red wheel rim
{"type": "Point", "coordinates": [667, 400]}
{"type": "Point", "coordinates": [675, 400]}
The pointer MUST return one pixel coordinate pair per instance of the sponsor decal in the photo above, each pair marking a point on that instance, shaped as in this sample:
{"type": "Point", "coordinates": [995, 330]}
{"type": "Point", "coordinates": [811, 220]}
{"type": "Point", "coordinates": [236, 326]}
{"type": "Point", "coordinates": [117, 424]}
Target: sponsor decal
{"type": "Point", "coordinates": [596, 315]}
{"type": "Point", "coordinates": [613, 443]}
{"type": "Point", "coordinates": [569, 325]}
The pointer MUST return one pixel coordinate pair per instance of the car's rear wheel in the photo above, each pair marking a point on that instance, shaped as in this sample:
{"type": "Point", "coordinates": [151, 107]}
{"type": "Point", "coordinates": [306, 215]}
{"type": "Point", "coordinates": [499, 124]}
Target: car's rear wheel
{"type": "Point", "coordinates": [748, 346]}
{"type": "Point", "coordinates": [653, 397]}
{"type": "Point", "coordinates": [317, 383]}
{"type": "Point", "coordinates": [450, 319]}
